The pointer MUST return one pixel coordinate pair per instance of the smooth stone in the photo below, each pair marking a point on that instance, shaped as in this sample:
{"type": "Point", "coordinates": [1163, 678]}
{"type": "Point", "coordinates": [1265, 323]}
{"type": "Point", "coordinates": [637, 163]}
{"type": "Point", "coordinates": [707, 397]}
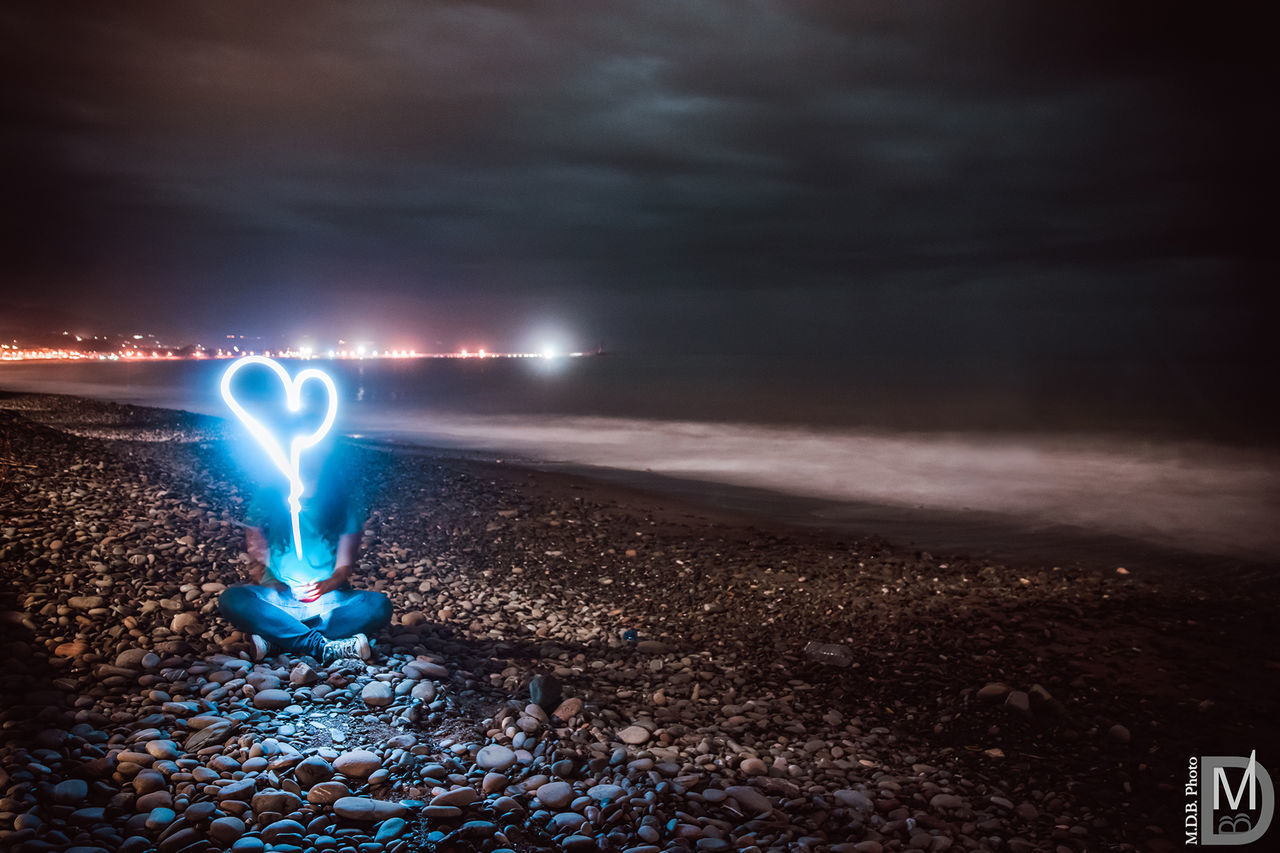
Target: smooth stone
{"type": "Point", "coordinates": [358, 763]}
{"type": "Point", "coordinates": [946, 801]}
{"type": "Point", "coordinates": [634, 735]}
{"type": "Point", "coordinates": [389, 829]}
{"type": "Point", "coordinates": [456, 797]}
{"type": "Point", "coordinates": [71, 792]}
{"type": "Point", "coordinates": [209, 735]}
{"type": "Point", "coordinates": [366, 809]}
{"type": "Point", "coordinates": [282, 827]}
{"type": "Point", "coordinates": [566, 822]}
{"type": "Point", "coordinates": [568, 709]}
{"type": "Point", "coordinates": [164, 749]}
{"type": "Point", "coordinates": [606, 792]}
{"type": "Point", "coordinates": [376, 694]}
{"type": "Point", "coordinates": [855, 800]}
{"type": "Point", "coordinates": [199, 812]}
{"type": "Point", "coordinates": [424, 690]}
{"type": "Point", "coordinates": [272, 800]}
{"type": "Point", "coordinates": [312, 770]}
{"type": "Point", "coordinates": [226, 829]}
{"type": "Point", "coordinates": [495, 757]}
{"type": "Point", "coordinates": [159, 818]}
{"type": "Point", "coordinates": [993, 692]}
{"type": "Point", "coordinates": [271, 699]}
{"type": "Point", "coordinates": [555, 795]}
{"type": "Point", "coordinates": [324, 793]}
{"type": "Point", "coordinates": [753, 766]}
{"type": "Point", "coordinates": [154, 800]}
{"type": "Point", "coordinates": [750, 798]}
{"type": "Point", "coordinates": [240, 790]}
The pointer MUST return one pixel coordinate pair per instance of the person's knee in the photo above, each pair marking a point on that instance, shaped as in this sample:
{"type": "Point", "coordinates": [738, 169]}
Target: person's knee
{"type": "Point", "coordinates": [379, 606]}
{"type": "Point", "coordinates": [236, 599]}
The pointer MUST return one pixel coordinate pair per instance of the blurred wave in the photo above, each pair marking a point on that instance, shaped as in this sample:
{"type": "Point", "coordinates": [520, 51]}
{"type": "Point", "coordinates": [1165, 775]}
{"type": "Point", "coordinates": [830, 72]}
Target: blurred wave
{"type": "Point", "coordinates": [1191, 495]}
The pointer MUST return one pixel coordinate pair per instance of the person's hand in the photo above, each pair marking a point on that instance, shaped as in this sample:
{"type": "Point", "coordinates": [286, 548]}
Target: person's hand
{"type": "Point", "coordinates": [310, 592]}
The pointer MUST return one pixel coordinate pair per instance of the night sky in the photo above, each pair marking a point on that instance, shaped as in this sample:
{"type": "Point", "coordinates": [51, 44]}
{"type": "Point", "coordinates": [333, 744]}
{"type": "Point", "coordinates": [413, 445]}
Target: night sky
{"type": "Point", "coordinates": [1006, 182]}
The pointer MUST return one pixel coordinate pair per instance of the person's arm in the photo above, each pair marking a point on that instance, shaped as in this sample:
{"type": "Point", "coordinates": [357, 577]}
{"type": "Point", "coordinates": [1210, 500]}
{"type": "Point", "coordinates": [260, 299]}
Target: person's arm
{"type": "Point", "coordinates": [256, 545]}
{"type": "Point", "coordinates": [345, 561]}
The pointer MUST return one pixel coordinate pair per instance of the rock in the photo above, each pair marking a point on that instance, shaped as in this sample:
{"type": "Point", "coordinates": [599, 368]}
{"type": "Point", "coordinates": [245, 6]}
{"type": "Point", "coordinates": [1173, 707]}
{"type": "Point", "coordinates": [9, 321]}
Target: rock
{"type": "Point", "coordinates": [240, 790]}
{"type": "Point", "coordinates": [554, 795]}
{"type": "Point", "coordinates": [634, 735]}
{"type": "Point", "coordinates": [568, 709]}
{"type": "Point", "coordinates": [199, 812]}
{"type": "Point", "coordinates": [495, 757]}
{"type": "Point", "coordinates": [185, 622]}
{"type": "Point", "coordinates": [750, 799]}
{"type": "Point", "coordinates": [368, 810]}
{"type": "Point", "coordinates": [225, 830]}
{"type": "Point", "coordinates": [1118, 735]}
{"type": "Point", "coordinates": [159, 818]}
{"type": "Point", "coordinates": [281, 831]}
{"type": "Point", "coordinates": [545, 691]}
{"type": "Point", "coordinates": [164, 749]}
{"type": "Point", "coordinates": [154, 800]}
{"type": "Point", "coordinates": [606, 792]}
{"type": "Point", "coordinates": [423, 669]}
{"type": "Point", "coordinates": [209, 735]}
{"type": "Point", "coordinates": [302, 675]}
{"type": "Point", "coordinates": [855, 800]}
{"type": "Point", "coordinates": [376, 694]}
{"type": "Point", "coordinates": [494, 782]}
{"type": "Point", "coordinates": [357, 764]}
{"type": "Point", "coordinates": [994, 692]}
{"type": "Point", "coordinates": [753, 766]}
{"type": "Point", "coordinates": [390, 828]}
{"type": "Point", "coordinates": [86, 602]}
{"type": "Point", "coordinates": [71, 792]}
{"type": "Point", "coordinates": [424, 690]}
{"type": "Point", "coordinates": [456, 797]}
{"type": "Point", "coordinates": [311, 770]}
{"type": "Point", "coordinates": [1018, 702]}
{"type": "Point", "coordinates": [274, 800]}
{"type": "Point", "coordinates": [272, 699]}
{"type": "Point", "coordinates": [132, 658]}
{"type": "Point", "coordinates": [325, 793]}
{"type": "Point", "coordinates": [946, 801]}
{"type": "Point", "coordinates": [70, 650]}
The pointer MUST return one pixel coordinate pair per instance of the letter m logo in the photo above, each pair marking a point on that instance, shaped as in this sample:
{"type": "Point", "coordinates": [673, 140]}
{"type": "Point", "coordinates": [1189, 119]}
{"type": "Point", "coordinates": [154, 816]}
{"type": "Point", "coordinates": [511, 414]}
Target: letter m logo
{"type": "Point", "coordinates": [1250, 781]}
{"type": "Point", "coordinates": [1227, 816]}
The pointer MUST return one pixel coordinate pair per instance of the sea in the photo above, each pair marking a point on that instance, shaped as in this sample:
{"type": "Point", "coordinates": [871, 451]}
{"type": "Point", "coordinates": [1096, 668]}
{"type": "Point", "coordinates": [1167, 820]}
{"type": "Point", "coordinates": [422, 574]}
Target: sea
{"type": "Point", "coordinates": [1043, 473]}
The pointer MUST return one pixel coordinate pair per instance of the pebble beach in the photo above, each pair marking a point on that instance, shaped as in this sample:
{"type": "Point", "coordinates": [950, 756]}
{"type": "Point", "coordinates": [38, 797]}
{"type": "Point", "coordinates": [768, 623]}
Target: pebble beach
{"type": "Point", "coordinates": [579, 666]}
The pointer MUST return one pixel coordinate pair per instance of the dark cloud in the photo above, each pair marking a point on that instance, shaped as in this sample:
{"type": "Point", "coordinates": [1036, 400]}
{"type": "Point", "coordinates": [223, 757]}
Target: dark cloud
{"type": "Point", "coordinates": [641, 168]}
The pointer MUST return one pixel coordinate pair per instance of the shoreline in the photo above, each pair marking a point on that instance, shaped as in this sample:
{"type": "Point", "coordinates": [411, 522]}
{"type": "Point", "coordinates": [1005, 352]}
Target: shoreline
{"type": "Point", "coordinates": [995, 705]}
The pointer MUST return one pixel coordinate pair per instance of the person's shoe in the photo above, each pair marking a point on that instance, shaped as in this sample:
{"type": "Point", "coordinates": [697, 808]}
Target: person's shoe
{"type": "Point", "coordinates": [259, 648]}
{"type": "Point", "coordinates": [352, 647]}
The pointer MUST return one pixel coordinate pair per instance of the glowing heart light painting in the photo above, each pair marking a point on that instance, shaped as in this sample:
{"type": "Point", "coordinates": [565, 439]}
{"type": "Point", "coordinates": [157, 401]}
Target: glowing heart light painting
{"type": "Point", "coordinates": [290, 464]}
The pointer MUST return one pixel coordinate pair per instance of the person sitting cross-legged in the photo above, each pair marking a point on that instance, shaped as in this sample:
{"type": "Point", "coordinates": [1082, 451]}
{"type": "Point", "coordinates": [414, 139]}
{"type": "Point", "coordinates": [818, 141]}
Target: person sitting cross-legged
{"type": "Point", "coordinates": [305, 604]}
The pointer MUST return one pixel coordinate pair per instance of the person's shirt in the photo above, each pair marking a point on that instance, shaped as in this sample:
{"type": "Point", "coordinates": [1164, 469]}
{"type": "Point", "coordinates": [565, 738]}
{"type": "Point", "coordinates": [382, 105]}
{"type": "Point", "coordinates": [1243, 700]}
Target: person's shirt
{"type": "Point", "coordinates": [319, 547]}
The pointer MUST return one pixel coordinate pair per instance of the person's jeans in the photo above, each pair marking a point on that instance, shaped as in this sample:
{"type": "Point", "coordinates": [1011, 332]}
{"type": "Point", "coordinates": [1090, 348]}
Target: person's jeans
{"type": "Point", "coordinates": [303, 627]}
